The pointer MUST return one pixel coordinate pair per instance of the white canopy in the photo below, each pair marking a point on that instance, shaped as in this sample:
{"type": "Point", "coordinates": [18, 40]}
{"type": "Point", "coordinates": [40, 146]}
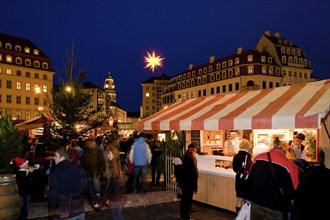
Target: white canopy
{"type": "Point", "coordinates": [296, 106]}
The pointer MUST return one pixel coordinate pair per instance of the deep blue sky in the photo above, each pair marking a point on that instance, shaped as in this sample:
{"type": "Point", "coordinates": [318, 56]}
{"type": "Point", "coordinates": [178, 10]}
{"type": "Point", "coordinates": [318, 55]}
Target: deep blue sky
{"type": "Point", "coordinates": [116, 35]}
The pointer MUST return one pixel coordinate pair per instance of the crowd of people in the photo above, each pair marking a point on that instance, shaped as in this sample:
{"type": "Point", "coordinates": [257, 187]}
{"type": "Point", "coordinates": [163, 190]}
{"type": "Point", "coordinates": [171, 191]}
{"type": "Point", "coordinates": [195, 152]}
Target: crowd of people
{"type": "Point", "coordinates": [278, 183]}
{"type": "Point", "coordinates": [274, 178]}
{"type": "Point", "coordinates": [79, 166]}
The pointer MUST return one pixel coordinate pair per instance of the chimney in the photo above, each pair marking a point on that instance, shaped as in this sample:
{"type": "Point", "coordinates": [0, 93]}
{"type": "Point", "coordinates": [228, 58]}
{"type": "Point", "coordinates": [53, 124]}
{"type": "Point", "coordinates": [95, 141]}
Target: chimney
{"type": "Point", "coordinates": [277, 34]}
{"type": "Point", "coordinates": [239, 50]}
{"type": "Point", "coordinates": [212, 58]}
{"type": "Point", "coordinates": [267, 33]}
{"type": "Point", "coordinates": [191, 66]}
{"type": "Point", "coordinates": [259, 49]}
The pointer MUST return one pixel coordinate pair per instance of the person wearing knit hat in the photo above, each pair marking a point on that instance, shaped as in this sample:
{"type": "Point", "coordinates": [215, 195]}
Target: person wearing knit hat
{"type": "Point", "coordinates": [19, 162]}
{"type": "Point", "coordinates": [24, 180]}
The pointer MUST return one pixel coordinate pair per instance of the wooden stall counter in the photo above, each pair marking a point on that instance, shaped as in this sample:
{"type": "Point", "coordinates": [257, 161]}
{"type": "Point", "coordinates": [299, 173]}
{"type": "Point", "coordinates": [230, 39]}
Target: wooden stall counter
{"type": "Point", "coordinates": [216, 182]}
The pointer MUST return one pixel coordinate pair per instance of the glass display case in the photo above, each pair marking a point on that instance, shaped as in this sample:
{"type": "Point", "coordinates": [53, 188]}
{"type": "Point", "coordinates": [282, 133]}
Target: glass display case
{"type": "Point", "coordinates": [211, 142]}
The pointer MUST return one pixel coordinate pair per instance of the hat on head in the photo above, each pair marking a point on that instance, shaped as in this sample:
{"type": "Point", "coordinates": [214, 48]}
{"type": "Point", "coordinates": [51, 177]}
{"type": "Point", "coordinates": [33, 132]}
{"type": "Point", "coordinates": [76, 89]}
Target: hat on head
{"type": "Point", "coordinates": [300, 136]}
{"type": "Point", "coordinates": [20, 162]}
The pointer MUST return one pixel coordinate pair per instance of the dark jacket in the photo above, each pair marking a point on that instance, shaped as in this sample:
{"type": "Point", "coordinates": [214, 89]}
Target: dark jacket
{"type": "Point", "coordinates": [242, 163]}
{"type": "Point", "coordinates": [313, 194]}
{"type": "Point", "coordinates": [263, 189]}
{"type": "Point", "coordinates": [24, 182]}
{"type": "Point", "coordinates": [189, 174]}
{"type": "Point", "coordinates": [66, 187]}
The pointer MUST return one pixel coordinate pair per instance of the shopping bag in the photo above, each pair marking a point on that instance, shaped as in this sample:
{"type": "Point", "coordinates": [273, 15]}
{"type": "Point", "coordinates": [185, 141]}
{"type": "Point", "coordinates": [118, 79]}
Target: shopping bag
{"type": "Point", "coordinates": [129, 165]}
{"type": "Point", "coordinates": [244, 212]}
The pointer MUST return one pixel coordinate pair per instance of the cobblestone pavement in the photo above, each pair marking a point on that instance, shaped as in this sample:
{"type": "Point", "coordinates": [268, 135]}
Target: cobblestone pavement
{"type": "Point", "coordinates": [155, 204]}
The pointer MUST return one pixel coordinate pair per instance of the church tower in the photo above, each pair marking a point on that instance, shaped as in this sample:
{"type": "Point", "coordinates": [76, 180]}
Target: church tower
{"type": "Point", "coordinates": [109, 88]}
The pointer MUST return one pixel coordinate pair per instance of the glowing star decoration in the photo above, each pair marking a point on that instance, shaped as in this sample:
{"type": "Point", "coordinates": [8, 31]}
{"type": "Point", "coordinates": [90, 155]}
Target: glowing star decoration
{"type": "Point", "coordinates": [153, 61]}
{"type": "Point", "coordinates": [37, 90]}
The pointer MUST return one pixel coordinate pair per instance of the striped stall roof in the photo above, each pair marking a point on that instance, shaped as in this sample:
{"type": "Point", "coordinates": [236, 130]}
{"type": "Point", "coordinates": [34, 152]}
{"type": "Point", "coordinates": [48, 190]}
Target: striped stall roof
{"type": "Point", "coordinates": [287, 107]}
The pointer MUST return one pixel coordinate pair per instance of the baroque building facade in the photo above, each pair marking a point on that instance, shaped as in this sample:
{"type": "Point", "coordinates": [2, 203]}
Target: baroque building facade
{"type": "Point", "coordinates": [26, 78]}
{"type": "Point", "coordinates": [152, 89]}
{"type": "Point", "coordinates": [275, 62]}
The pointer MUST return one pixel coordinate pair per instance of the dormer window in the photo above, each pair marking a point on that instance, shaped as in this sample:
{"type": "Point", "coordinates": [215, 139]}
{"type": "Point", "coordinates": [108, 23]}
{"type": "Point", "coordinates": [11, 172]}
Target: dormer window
{"type": "Point", "coordinates": [36, 64]}
{"type": "Point", "coordinates": [28, 62]}
{"type": "Point", "coordinates": [263, 59]}
{"type": "Point", "coordinates": [250, 58]}
{"type": "Point", "coordinates": [280, 41]}
{"type": "Point", "coordinates": [283, 50]}
{"type": "Point", "coordinates": [205, 70]}
{"type": "Point", "coordinates": [236, 61]}
{"type": "Point", "coordinates": [8, 46]}
{"type": "Point", "coordinates": [36, 52]}
{"type": "Point", "coordinates": [210, 68]}
{"type": "Point", "coordinates": [288, 51]}
{"type": "Point", "coordinates": [230, 62]}
{"type": "Point", "coordinates": [270, 60]}
{"type": "Point", "coordinates": [19, 60]}
{"type": "Point", "coordinates": [218, 66]}
{"type": "Point", "coordinates": [18, 48]}
{"type": "Point", "coordinates": [45, 65]}
{"type": "Point", "coordinates": [27, 50]}
{"type": "Point", "coordinates": [9, 59]}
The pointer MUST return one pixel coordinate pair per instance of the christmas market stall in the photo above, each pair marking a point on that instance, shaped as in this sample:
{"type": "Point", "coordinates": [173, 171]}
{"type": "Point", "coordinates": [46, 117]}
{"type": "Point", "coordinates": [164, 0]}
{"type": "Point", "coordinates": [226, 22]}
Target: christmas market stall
{"type": "Point", "coordinates": [278, 112]}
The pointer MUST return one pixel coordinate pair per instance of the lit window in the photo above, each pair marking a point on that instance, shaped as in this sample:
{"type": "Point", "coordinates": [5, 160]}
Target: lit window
{"type": "Point", "coordinates": [8, 72]}
{"type": "Point", "coordinates": [236, 60]}
{"type": "Point", "coordinates": [27, 86]}
{"type": "Point", "coordinates": [230, 63]}
{"type": "Point", "coordinates": [9, 59]}
{"type": "Point", "coordinates": [36, 52]}
{"type": "Point", "coordinates": [263, 59]}
{"type": "Point", "coordinates": [44, 88]}
{"type": "Point", "coordinates": [237, 71]}
{"type": "Point", "coordinates": [250, 58]}
{"type": "Point", "coordinates": [147, 94]}
{"type": "Point", "coordinates": [18, 85]}
{"type": "Point", "coordinates": [250, 69]}
{"type": "Point", "coordinates": [27, 50]}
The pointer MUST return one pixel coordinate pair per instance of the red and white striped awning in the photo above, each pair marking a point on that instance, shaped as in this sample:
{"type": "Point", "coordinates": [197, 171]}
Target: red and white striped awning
{"type": "Point", "coordinates": [287, 107]}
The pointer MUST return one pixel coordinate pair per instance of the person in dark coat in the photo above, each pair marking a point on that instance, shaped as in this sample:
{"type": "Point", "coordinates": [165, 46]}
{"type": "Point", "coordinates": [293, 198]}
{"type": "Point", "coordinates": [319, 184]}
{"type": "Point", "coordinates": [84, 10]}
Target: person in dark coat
{"type": "Point", "coordinates": [24, 181]}
{"type": "Point", "coordinates": [313, 192]}
{"type": "Point", "coordinates": [189, 182]}
{"type": "Point", "coordinates": [155, 163]}
{"type": "Point", "coordinates": [66, 189]}
{"type": "Point", "coordinates": [242, 162]}
{"type": "Point", "coordinates": [272, 182]}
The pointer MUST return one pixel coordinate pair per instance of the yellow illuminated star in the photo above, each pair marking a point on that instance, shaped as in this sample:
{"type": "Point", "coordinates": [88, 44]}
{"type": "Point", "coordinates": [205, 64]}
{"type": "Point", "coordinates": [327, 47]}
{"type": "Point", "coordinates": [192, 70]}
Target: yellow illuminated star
{"type": "Point", "coordinates": [153, 61]}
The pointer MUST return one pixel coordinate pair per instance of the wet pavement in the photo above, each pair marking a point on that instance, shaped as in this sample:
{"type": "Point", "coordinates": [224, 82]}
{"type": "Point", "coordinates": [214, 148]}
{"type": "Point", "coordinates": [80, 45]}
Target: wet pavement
{"type": "Point", "coordinates": [156, 204]}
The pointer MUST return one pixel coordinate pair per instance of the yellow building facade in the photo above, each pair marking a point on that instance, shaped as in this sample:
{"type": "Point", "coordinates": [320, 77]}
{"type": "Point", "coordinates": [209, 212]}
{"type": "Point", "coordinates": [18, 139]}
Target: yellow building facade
{"type": "Point", "coordinates": [26, 78]}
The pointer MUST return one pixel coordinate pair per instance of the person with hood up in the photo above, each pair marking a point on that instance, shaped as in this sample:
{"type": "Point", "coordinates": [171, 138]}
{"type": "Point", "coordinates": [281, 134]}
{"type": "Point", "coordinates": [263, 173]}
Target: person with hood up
{"type": "Point", "coordinates": [140, 155]}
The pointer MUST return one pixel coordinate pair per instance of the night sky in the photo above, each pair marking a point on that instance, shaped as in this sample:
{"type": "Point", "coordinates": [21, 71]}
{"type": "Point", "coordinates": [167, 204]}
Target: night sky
{"type": "Point", "coordinates": [115, 36]}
